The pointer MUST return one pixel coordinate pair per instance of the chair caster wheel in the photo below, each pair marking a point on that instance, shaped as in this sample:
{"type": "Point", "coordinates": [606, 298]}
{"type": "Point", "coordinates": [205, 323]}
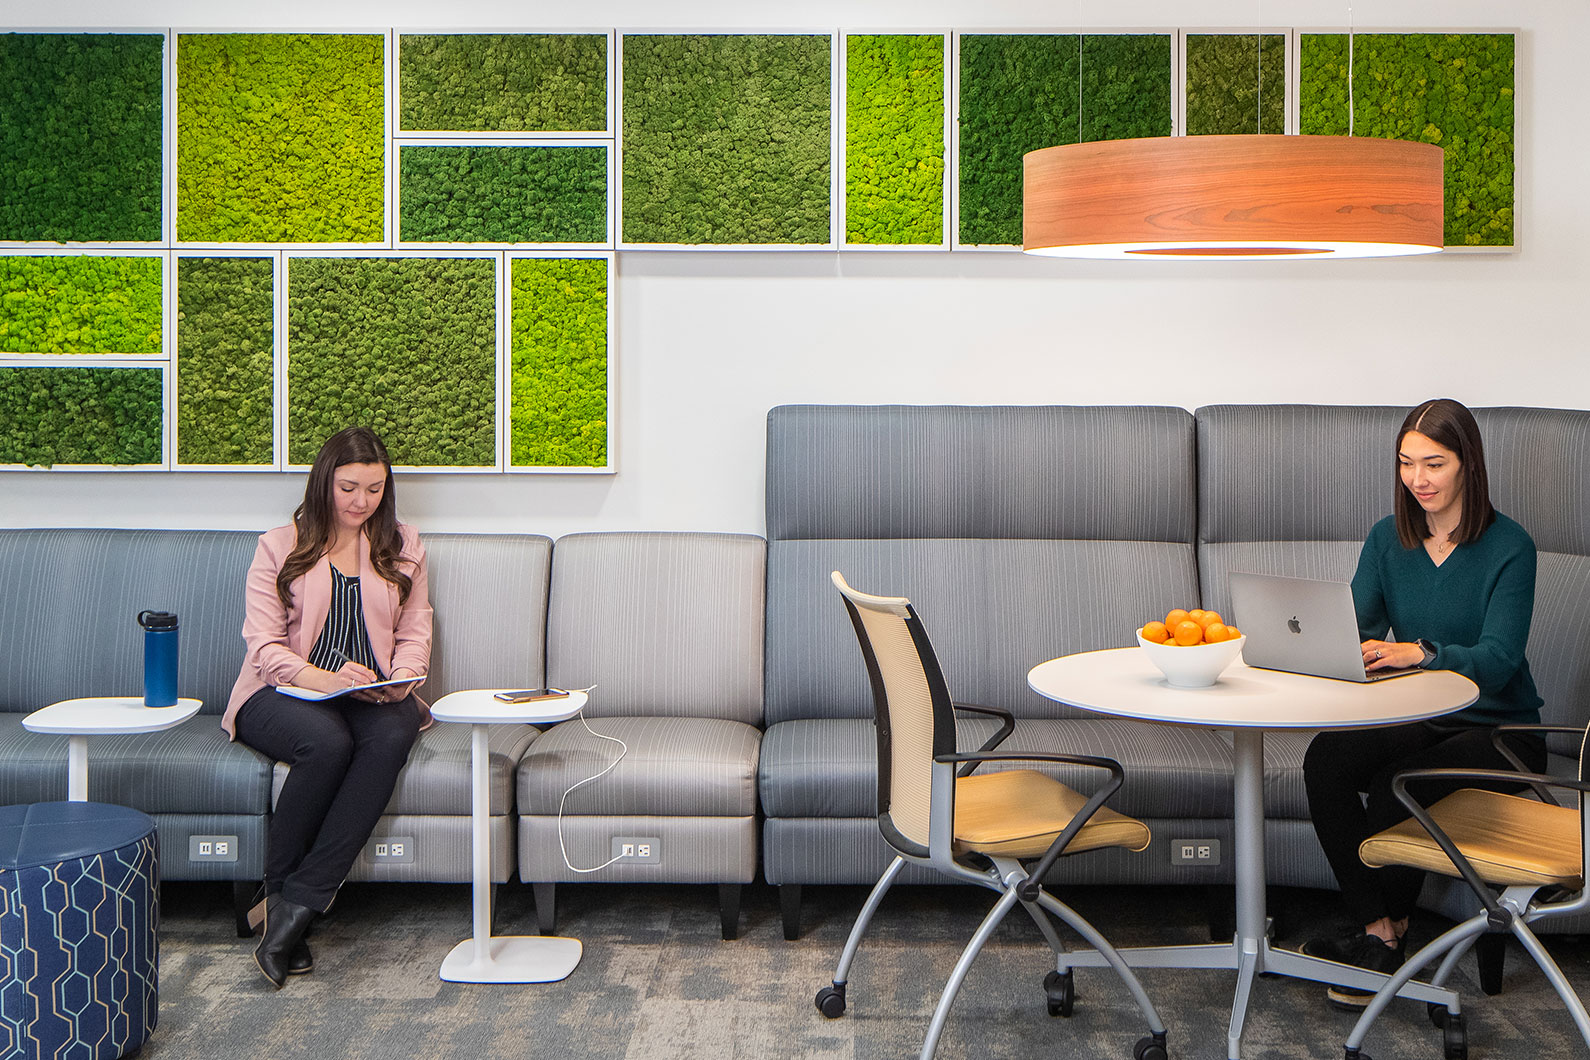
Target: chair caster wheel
{"type": "Point", "coordinates": [1151, 1048]}
{"type": "Point", "coordinates": [830, 1001]}
{"type": "Point", "coordinates": [1454, 1037]}
{"type": "Point", "coordinates": [1061, 991]}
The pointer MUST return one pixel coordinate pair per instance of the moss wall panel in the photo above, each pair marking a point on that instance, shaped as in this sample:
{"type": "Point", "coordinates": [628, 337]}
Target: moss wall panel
{"type": "Point", "coordinates": [558, 382]}
{"type": "Point", "coordinates": [727, 139]}
{"type": "Point", "coordinates": [62, 303]}
{"type": "Point", "coordinates": [406, 346]}
{"type": "Point", "coordinates": [894, 139]}
{"type": "Point", "coordinates": [280, 138]}
{"type": "Point", "coordinates": [1451, 89]}
{"type": "Point", "coordinates": [80, 136]}
{"type": "Point", "coordinates": [52, 414]}
{"type": "Point", "coordinates": [498, 82]}
{"type": "Point", "coordinates": [1020, 92]}
{"type": "Point", "coordinates": [502, 194]}
{"type": "Point", "coordinates": [1228, 80]}
{"type": "Point", "coordinates": [225, 360]}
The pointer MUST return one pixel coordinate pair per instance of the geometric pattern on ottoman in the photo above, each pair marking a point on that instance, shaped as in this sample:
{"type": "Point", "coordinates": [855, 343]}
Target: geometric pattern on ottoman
{"type": "Point", "coordinates": [79, 922]}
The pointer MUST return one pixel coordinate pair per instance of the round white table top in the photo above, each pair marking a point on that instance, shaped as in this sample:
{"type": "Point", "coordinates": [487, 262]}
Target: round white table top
{"type": "Point", "coordinates": [1123, 682]}
{"type": "Point", "coordinates": [479, 706]}
{"type": "Point", "coordinates": [100, 715]}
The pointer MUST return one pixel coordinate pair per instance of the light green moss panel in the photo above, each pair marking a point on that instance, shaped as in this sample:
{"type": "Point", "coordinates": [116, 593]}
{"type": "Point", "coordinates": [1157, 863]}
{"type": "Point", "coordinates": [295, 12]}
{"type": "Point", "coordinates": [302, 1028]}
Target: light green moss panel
{"type": "Point", "coordinates": [225, 363]}
{"type": "Point", "coordinates": [405, 346]}
{"type": "Point", "coordinates": [1451, 89]}
{"type": "Point", "coordinates": [558, 384]}
{"type": "Point", "coordinates": [894, 139]}
{"type": "Point", "coordinates": [62, 303]}
{"type": "Point", "coordinates": [54, 414]}
{"type": "Point", "coordinates": [503, 82]}
{"type": "Point", "coordinates": [280, 138]}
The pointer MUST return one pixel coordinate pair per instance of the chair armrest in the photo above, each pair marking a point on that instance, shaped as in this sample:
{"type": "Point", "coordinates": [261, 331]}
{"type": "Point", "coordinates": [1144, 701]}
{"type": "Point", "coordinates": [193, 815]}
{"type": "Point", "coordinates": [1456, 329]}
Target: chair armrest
{"type": "Point", "coordinates": [1007, 725]}
{"type": "Point", "coordinates": [1517, 763]}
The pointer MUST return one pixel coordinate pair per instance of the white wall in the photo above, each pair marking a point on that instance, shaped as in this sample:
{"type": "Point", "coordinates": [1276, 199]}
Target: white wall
{"type": "Point", "coordinates": [707, 343]}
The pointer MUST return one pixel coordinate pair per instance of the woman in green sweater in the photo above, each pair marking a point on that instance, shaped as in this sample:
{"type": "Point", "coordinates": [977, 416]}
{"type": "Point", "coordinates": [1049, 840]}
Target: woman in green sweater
{"type": "Point", "coordinates": [1454, 581]}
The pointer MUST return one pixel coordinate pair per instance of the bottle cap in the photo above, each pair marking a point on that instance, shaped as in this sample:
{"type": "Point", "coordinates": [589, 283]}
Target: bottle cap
{"type": "Point", "coordinates": [157, 620]}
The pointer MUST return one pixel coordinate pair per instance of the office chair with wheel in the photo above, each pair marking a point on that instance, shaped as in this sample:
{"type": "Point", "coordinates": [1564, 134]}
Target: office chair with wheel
{"type": "Point", "coordinates": [980, 828]}
{"type": "Point", "coordinates": [1532, 851]}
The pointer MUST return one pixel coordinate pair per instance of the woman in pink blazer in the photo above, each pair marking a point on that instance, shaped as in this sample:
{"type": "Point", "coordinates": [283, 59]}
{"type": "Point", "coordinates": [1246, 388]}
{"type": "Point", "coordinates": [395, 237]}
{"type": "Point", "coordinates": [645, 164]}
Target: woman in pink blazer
{"type": "Point", "coordinates": [336, 600]}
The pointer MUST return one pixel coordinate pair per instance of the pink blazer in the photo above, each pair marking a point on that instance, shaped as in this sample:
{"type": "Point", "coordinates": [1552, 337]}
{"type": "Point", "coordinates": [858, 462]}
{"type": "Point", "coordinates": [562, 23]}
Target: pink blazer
{"type": "Point", "coordinates": [279, 639]}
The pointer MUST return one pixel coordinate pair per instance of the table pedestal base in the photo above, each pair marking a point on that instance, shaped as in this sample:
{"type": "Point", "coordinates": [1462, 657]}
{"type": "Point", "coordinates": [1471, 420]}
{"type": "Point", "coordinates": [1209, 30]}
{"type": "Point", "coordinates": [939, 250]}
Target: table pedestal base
{"type": "Point", "coordinates": [512, 959]}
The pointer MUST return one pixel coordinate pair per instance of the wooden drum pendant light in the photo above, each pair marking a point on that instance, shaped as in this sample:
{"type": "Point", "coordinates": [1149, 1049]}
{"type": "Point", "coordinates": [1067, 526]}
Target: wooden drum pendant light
{"type": "Point", "coordinates": [1226, 197]}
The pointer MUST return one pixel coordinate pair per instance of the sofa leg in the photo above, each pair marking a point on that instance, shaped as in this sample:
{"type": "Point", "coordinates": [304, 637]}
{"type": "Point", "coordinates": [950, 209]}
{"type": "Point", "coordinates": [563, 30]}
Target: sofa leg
{"type": "Point", "coordinates": [1220, 906]}
{"type": "Point", "coordinates": [546, 907]}
{"type": "Point", "coordinates": [1491, 952]}
{"type": "Point", "coordinates": [789, 907]}
{"type": "Point", "coordinates": [729, 909]}
{"type": "Point", "coordinates": [243, 892]}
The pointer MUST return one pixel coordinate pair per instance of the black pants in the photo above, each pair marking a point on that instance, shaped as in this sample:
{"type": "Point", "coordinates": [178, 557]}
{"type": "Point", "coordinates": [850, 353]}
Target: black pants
{"type": "Point", "coordinates": [1341, 765]}
{"type": "Point", "coordinates": [345, 756]}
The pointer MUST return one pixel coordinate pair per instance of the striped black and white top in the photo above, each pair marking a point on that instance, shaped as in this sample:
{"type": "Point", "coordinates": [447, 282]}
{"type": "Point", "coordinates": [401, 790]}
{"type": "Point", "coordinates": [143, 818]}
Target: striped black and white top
{"type": "Point", "coordinates": [344, 636]}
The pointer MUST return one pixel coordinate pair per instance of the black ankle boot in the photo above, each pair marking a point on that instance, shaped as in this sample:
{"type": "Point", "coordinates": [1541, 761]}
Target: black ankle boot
{"type": "Point", "coordinates": [285, 924]}
{"type": "Point", "coordinates": [300, 961]}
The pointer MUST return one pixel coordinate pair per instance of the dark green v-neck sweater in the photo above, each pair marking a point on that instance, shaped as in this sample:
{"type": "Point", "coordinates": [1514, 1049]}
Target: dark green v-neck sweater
{"type": "Point", "coordinates": [1475, 608]}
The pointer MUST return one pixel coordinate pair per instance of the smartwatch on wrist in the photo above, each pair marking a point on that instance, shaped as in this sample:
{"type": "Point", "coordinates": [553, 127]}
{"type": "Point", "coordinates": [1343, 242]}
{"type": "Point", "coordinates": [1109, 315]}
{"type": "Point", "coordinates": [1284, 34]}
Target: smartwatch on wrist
{"type": "Point", "coordinates": [1429, 653]}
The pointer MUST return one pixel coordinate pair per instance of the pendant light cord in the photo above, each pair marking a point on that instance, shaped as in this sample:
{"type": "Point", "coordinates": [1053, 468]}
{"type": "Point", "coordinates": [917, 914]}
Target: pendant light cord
{"type": "Point", "coordinates": [1349, 71]}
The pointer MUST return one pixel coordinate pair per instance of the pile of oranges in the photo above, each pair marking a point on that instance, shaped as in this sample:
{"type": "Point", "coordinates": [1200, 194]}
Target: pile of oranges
{"type": "Point", "coordinates": [1188, 628]}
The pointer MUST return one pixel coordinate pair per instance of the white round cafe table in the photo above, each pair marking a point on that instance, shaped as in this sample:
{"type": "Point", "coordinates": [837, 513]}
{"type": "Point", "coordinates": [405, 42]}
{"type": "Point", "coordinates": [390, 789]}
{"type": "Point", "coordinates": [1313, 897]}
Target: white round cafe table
{"type": "Point", "coordinates": [78, 719]}
{"type": "Point", "coordinates": [485, 958]}
{"type": "Point", "coordinates": [1123, 683]}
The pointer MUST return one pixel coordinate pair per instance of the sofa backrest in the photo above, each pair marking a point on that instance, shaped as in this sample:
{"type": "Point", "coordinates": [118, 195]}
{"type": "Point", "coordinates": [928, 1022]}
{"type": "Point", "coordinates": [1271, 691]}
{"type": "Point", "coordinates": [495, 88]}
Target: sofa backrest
{"type": "Point", "coordinates": [667, 624]}
{"type": "Point", "coordinates": [69, 599]}
{"type": "Point", "coordinates": [1019, 533]}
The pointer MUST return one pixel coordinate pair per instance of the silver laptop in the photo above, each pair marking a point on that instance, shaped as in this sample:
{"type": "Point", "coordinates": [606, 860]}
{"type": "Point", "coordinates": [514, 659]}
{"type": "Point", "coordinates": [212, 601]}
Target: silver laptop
{"type": "Point", "coordinates": [1302, 626]}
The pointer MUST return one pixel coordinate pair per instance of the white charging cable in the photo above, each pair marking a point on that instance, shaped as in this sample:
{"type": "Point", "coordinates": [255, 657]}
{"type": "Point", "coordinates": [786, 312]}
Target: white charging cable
{"type": "Point", "coordinates": [623, 750]}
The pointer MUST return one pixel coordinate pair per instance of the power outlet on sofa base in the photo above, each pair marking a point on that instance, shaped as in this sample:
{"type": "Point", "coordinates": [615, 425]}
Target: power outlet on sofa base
{"type": "Point", "coordinates": [645, 849]}
{"type": "Point", "coordinates": [390, 850]}
{"type": "Point", "coordinates": [1201, 852]}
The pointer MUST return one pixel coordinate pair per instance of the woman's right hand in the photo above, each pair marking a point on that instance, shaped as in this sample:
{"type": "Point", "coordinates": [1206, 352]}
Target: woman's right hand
{"type": "Point", "coordinates": [320, 680]}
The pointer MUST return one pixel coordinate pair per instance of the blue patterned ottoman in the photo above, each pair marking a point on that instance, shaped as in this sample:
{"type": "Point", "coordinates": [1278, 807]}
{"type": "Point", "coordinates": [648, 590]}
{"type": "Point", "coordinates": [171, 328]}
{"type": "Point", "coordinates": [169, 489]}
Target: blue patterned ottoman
{"type": "Point", "coordinates": [79, 912]}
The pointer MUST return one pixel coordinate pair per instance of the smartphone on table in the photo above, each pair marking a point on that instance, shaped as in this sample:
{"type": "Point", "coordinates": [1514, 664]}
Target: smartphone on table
{"type": "Point", "coordinates": [530, 695]}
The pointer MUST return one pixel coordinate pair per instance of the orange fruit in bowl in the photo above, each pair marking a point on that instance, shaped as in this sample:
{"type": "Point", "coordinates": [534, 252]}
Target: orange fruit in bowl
{"type": "Point", "coordinates": [1210, 618]}
{"type": "Point", "coordinates": [1197, 615]}
{"type": "Point", "coordinates": [1188, 633]}
{"type": "Point", "coordinates": [1215, 632]}
{"type": "Point", "coordinates": [1155, 632]}
{"type": "Point", "coordinates": [1176, 617]}
{"type": "Point", "coordinates": [1232, 632]}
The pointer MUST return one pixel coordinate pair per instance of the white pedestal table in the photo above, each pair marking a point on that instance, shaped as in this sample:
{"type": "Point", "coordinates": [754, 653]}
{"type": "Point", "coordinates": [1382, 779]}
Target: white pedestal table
{"type": "Point", "coordinates": [78, 719]}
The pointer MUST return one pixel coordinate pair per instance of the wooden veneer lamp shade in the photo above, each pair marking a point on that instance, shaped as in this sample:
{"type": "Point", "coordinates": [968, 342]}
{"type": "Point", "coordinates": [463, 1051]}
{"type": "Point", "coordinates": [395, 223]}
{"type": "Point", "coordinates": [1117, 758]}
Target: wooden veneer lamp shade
{"type": "Point", "coordinates": [1234, 197]}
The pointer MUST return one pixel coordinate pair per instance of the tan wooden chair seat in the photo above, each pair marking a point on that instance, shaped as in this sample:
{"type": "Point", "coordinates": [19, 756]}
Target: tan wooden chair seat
{"type": "Point", "coordinates": [1510, 840]}
{"type": "Point", "coordinates": [1018, 813]}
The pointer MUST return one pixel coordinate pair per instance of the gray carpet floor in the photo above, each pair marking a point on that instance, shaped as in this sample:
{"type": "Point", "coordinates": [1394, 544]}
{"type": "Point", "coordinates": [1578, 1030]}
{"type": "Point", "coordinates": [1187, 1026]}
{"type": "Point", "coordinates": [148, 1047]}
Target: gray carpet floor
{"type": "Point", "coordinates": [657, 983]}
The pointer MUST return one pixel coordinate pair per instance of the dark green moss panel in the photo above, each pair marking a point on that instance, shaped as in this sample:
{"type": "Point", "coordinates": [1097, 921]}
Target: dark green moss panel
{"type": "Point", "coordinates": [281, 137]}
{"type": "Point", "coordinates": [405, 346]}
{"type": "Point", "coordinates": [502, 194]}
{"type": "Point", "coordinates": [66, 303]}
{"type": "Point", "coordinates": [894, 139]}
{"type": "Point", "coordinates": [80, 136]}
{"type": "Point", "coordinates": [225, 383]}
{"type": "Point", "coordinates": [558, 384]}
{"type": "Point", "coordinates": [727, 139]}
{"type": "Point", "coordinates": [53, 414]}
{"type": "Point", "coordinates": [1229, 80]}
{"type": "Point", "coordinates": [1451, 89]}
{"type": "Point", "coordinates": [502, 82]}
{"type": "Point", "coordinates": [1021, 92]}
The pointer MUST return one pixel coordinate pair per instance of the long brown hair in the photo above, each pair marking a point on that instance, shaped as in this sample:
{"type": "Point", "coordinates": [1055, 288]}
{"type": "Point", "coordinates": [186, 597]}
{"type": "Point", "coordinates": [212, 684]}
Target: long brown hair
{"type": "Point", "coordinates": [1450, 425]}
{"type": "Point", "coordinates": [314, 518]}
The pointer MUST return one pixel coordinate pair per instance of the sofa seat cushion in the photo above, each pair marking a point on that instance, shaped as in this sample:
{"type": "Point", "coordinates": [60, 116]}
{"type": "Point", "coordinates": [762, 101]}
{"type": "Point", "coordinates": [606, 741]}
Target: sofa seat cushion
{"type": "Point", "coordinates": [190, 767]}
{"type": "Point", "coordinates": [828, 767]}
{"type": "Point", "coordinates": [436, 781]}
{"type": "Point", "coordinates": [674, 767]}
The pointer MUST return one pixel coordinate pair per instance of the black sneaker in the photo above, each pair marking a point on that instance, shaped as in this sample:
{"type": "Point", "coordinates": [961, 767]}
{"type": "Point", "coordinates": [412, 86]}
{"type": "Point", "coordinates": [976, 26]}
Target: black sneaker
{"type": "Point", "coordinates": [1361, 950]}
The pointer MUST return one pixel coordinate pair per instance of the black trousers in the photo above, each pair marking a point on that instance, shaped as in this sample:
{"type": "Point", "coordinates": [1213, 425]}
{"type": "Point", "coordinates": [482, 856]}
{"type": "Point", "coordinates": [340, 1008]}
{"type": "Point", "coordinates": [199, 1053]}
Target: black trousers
{"type": "Point", "coordinates": [345, 756]}
{"type": "Point", "coordinates": [1341, 765]}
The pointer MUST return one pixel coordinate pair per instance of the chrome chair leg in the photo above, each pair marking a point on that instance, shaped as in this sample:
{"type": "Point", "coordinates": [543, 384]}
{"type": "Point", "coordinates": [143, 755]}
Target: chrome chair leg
{"type": "Point", "coordinates": [1081, 926]}
{"type": "Point", "coordinates": [1559, 981]}
{"type": "Point", "coordinates": [942, 1012]}
{"type": "Point", "coordinates": [830, 1000]}
{"type": "Point", "coordinates": [1462, 935]}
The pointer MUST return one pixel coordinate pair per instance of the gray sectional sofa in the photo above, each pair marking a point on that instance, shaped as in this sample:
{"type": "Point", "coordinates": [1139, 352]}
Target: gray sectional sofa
{"type": "Point", "coordinates": [727, 666]}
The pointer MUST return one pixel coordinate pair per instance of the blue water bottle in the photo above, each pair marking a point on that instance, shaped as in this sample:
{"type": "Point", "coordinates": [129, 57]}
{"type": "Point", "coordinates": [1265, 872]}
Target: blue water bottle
{"type": "Point", "coordinates": [160, 658]}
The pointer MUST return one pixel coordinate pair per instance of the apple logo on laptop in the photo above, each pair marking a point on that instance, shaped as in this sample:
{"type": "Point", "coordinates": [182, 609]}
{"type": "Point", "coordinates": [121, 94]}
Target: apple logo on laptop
{"type": "Point", "coordinates": [1293, 625]}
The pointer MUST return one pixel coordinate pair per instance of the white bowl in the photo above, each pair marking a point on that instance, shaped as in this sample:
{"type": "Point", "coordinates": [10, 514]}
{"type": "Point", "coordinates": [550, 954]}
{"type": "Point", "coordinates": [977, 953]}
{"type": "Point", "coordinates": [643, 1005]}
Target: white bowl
{"type": "Point", "coordinates": [1197, 666]}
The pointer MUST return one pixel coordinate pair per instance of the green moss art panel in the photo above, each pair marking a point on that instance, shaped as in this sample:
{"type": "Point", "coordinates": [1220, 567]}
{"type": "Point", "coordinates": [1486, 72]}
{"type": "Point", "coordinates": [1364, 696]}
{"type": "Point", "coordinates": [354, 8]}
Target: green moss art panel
{"type": "Point", "coordinates": [405, 346]}
{"type": "Point", "coordinates": [503, 82]}
{"type": "Point", "coordinates": [225, 365]}
{"type": "Point", "coordinates": [80, 136]}
{"type": "Point", "coordinates": [558, 385]}
{"type": "Point", "coordinates": [51, 414]}
{"type": "Point", "coordinates": [502, 194]}
{"type": "Point", "coordinates": [894, 139]}
{"type": "Point", "coordinates": [63, 303]}
{"type": "Point", "coordinates": [280, 138]}
{"type": "Point", "coordinates": [1020, 92]}
{"type": "Point", "coordinates": [1451, 89]}
{"type": "Point", "coordinates": [1229, 80]}
{"type": "Point", "coordinates": [727, 139]}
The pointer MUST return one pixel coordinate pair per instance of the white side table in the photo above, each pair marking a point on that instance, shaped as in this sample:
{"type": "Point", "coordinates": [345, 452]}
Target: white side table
{"type": "Point", "coordinates": [503, 958]}
{"type": "Point", "coordinates": [79, 719]}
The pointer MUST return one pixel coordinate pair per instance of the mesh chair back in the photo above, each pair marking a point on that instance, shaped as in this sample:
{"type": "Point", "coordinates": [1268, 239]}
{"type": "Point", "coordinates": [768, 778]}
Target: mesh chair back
{"type": "Point", "coordinates": [915, 720]}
